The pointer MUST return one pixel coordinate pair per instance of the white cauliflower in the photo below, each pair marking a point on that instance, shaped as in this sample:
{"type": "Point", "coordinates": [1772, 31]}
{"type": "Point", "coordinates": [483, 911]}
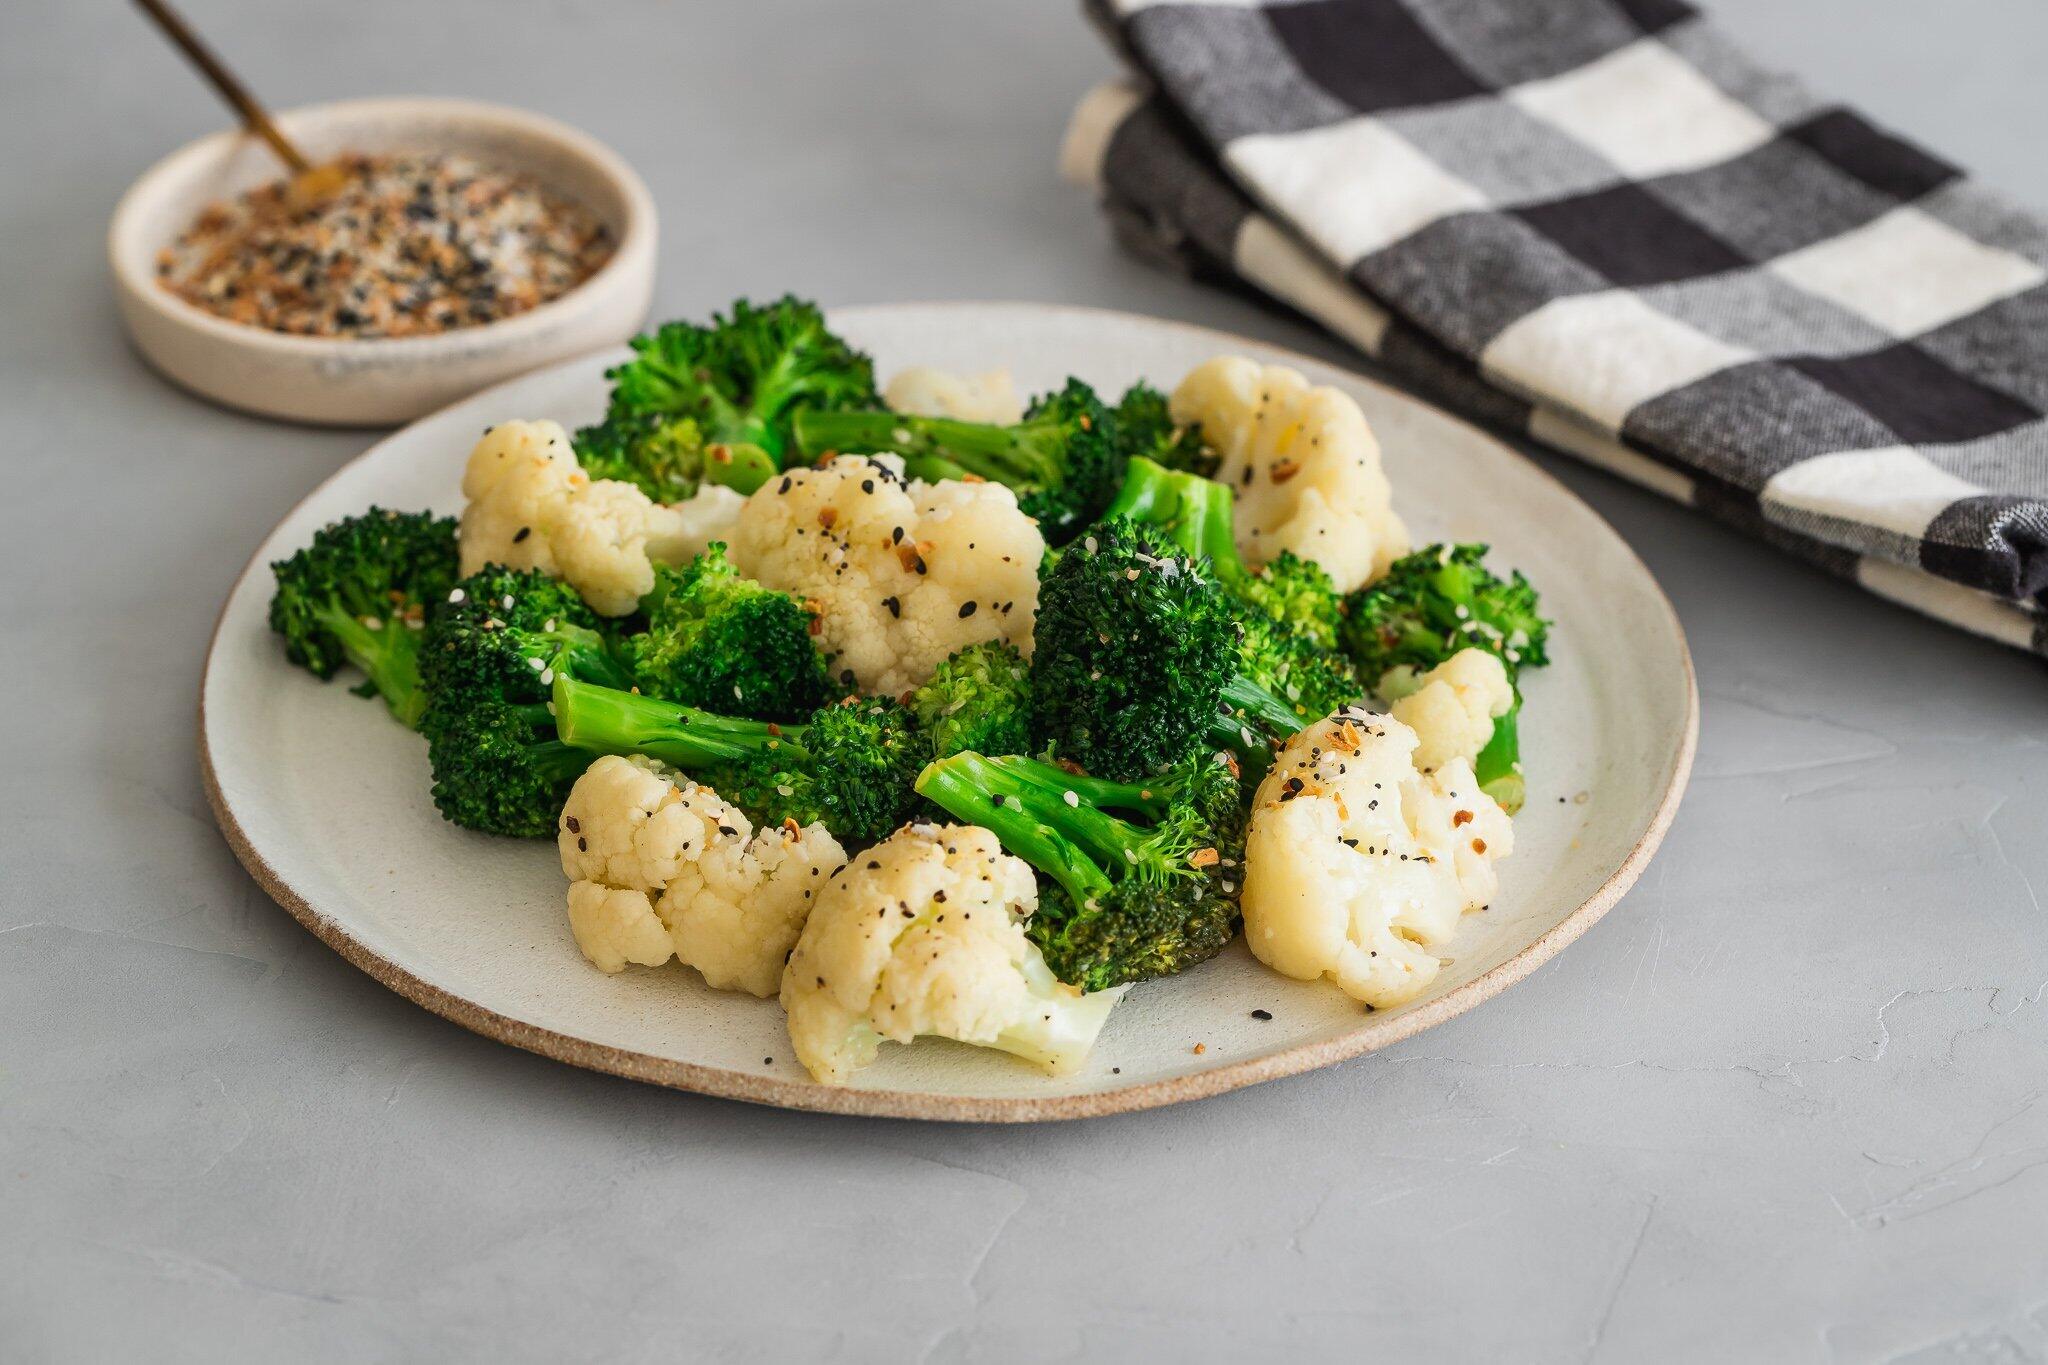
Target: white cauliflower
{"type": "Point", "coordinates": [1452, 707]}
{"type": "Point", "coordinates": [1357, 864]}
{"type": "Point", "coordinates": [923, 936]}
{"type": "Point", "coordinates": [990, 396]}
{"type": "Point", "coordinates": [661, 867]}
{"type": "Point", "coordinates": [902, 573]}
{"type": "Point", "coordinates": [683, 530]}
{"type": "Point", "coordinates": [531, 506]}
{"type": "Point", "coordinates": [1304, 464]}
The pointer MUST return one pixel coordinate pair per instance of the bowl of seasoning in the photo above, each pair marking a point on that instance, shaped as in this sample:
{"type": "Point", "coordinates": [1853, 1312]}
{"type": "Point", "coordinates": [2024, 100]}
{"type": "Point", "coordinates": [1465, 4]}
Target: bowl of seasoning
{"type": "Point", "coordinates": [444, 245]}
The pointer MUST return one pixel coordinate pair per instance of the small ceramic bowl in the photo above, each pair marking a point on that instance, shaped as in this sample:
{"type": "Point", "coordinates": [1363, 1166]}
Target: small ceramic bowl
{"type": "Point", "coordinates": [354, 382]}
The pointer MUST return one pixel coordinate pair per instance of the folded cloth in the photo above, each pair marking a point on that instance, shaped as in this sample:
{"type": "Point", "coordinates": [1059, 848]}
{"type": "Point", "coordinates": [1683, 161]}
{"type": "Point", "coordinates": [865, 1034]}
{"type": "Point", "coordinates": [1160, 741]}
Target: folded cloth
{"type": "Point", "coordinates": [1595, 223]}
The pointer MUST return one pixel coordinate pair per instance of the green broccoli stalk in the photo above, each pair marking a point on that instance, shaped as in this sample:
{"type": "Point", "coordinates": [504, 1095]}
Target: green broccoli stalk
{"type": "Point", "coordinates": [1127, 900]}
{"type": "Point", "coordinates": [718, 640]}
{"type": "Point", "coordinates": [1062, 459]}
{"type": "Point", "coordinates": [359, 594]}
{"type": "Point", "coordinates": [743, 378]}
{"type": "Point", "coordinates": [666, 457]}
{"type": "Point", "coordinates": [850, 767]}
{"type": "Point", "coordinates": [1428, 606]}
{"type": "Point", "coordinates": [979, 698]}
{"type": "Point", "coordinates": [494, 646]}
{"type": "Point", "coordinates": [1136, 662]}
{"type": "Point", "coordinates": [1498, 767]}
{"type": "Point", "coordinates": [1195, 513]}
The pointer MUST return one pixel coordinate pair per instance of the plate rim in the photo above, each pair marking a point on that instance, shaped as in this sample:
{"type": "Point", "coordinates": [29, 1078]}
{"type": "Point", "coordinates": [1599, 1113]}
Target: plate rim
{"type": "Point", "coordinates": [811, 1096]}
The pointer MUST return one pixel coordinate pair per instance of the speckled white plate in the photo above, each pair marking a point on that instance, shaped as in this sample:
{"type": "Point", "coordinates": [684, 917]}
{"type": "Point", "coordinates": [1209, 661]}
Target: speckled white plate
{"type": "Point", "coordinates": [325, 800]}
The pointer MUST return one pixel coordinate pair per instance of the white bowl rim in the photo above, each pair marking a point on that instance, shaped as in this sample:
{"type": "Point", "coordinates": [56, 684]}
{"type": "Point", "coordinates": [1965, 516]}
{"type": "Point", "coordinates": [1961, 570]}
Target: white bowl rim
{"type": "Point", "coordinates": [636, 233]}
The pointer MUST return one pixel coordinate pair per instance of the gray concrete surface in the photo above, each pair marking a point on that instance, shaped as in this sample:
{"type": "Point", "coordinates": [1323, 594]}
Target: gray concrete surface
{"type": "Point", "coordinates": [1789, 1102]}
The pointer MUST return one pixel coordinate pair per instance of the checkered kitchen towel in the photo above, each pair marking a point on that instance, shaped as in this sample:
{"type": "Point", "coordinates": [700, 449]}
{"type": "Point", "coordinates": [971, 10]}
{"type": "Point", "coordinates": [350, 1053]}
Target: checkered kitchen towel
{"type": "Point", "coordinates": [1597, 223]}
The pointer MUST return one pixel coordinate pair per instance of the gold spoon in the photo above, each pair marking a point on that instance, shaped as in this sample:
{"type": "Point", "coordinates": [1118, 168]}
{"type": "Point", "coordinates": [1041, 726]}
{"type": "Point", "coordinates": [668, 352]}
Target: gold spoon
{"type": "Point", "coordinates": [309, 183]}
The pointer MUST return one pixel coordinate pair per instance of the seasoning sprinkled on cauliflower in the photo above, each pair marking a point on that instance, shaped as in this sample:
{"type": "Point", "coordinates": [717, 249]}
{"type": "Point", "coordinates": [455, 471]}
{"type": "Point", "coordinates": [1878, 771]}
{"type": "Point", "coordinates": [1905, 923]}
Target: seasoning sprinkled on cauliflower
{"type": "Point", "coordinates": [923, 935]}
{"type": "Point", "coordinates": [532, 507]}
{"type": "Point", "coordinates": [903, 573]}
{"type": "Point", "coordinates": [1357, 864]}
{"type": "Point", "coordinates": [1304, 464]}
{"type": "Point", "coordinates": [990, 396]}
{"type": "Point", "coordinates": [661, 867]}
{"type": "Point", "coordinates": [1453, 706]}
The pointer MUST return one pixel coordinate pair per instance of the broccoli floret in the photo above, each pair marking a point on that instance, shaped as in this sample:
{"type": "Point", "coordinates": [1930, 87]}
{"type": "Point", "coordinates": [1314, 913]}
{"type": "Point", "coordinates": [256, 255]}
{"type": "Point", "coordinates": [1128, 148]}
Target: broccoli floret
{"type": "Point", "coordinates": [1430, 605]}
{"type": "Point", "coordinates": [1313, 681]}
{"type": "Point", "coordinates": [850, 767]}
{"type": "Point", "coordinates": [1437, 601]}
{"type": "Point", "coordinates": [979, 699]}
{"type": "Point", "coordinates": [1129, 658]}
{"type": "Point", "coordinates": [718, 640]}
{"type": "Point", "coordinates": [359, 594]}
{"type": "Point", "coordinates": [1195, 513]}
{"type": "Point", "coordinates": [1145, 429]}
{"type": "Point", "coordinates": [1125, 899]}
{"type": "Point", "coordinates": [1062, 459]}
{"type": "Point", "coordinates": [1296, 593]}
{"type": "Point", "coordinates": [493, 648]}
{"type": "Point", "coordinates": [1136, 661]}
{"type": "Point", "coordinates": [742, 379]}
{"type": "Point", "coordinates": [666, 457]}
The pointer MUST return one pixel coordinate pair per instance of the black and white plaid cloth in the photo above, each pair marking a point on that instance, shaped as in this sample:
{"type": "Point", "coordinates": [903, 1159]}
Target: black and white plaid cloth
{"type": "Point", "coordinates": [1600, 225]}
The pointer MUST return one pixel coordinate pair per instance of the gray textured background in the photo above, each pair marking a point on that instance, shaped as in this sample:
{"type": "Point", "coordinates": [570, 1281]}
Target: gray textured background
{"type": "Point", "coordinates": [1788, 1102]}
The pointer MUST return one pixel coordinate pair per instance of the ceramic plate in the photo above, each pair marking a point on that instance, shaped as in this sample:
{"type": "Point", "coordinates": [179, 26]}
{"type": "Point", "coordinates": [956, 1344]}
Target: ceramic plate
{"type": "Point", "coordinates": [325, 800]}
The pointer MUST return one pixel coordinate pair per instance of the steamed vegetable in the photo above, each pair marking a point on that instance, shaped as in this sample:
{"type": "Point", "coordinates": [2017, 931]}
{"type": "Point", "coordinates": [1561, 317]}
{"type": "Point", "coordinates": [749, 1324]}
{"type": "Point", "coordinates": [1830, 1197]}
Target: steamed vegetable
{"type": "Point", "coordinates": [1129, 896]}
{"type": "Point", "coordinates": [1062, 459]}
{"type": "Point", "coordinates": [493, 651]}
{"type": "Point", "coordinates": [1136, 665]}
{"type": "Point", "coordinates": [740, 380]}
{"type": "Point", "coordinates": [359, 595]}
{"type": "Point", "coordinates": [660, 866]}
{"type": "Point", "coordinates": [1430, 606]}
{"type": "Point", "coordinates": [922, 936]}
{"type": "Point", "coordinates": [717, 640]}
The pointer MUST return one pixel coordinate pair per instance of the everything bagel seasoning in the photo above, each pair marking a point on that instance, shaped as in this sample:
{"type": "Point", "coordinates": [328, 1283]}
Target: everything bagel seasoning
{"type": "Point", "coordinates": [408, 245]}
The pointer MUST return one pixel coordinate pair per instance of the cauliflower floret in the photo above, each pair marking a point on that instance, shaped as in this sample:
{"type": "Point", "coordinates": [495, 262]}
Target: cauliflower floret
{"type": "Point", "coordinates": [990, 396]}
{"type": "Point", "coordinates": [661, 867]}
{"type": "Point", "coordinates": [1304, 464]}
{"type": "Point", "coordinates": [924, 936]}
{"type": "Point", "coordinates": [1357, 864]}
{"type": "Point", "coordinates": [683, 530]}
{"type": "Point", "coordinates": [517, 478]}
{"type": "Point", "coordinates": [531, 506]}
{"type": "Point", "coordinates": [1453, 707]}
{"type": "Point", "coordinates": [599, 535]}
{"type": "Point", "coordinates": [903, 573]}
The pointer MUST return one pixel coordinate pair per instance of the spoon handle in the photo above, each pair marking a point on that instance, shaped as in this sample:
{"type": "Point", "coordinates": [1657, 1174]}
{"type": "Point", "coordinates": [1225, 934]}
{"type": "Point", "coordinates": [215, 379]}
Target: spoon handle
{"type": "Point", "coordinates": [233, 91]}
